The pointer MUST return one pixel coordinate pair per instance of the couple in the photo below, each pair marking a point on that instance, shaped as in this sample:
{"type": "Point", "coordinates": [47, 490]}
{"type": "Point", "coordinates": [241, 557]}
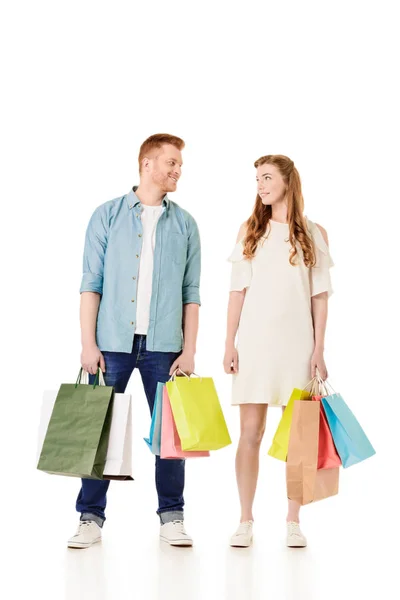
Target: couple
{"type": "Point", "coordinates": [140, 308]}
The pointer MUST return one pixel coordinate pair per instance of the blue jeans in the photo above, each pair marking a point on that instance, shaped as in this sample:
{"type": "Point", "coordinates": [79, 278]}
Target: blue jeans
{"type": "Point", "coordinates": [170, 474]}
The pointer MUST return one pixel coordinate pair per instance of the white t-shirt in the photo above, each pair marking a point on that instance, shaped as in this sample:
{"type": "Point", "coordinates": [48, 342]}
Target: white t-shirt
{"type": "Point", "coordinates": [150, 216]}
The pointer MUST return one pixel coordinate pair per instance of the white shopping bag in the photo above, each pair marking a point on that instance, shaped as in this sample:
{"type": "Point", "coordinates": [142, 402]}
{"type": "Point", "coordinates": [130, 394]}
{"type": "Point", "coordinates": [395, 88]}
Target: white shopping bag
{"type": "Point", "coordinates": [119, 453]}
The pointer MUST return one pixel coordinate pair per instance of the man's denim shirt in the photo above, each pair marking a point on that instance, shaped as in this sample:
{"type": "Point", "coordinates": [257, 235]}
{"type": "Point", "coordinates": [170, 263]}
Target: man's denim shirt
{"type": "Point", "coordinates": [111, 268]}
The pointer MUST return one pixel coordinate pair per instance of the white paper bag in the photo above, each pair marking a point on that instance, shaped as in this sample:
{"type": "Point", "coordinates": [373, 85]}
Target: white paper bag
{"type": "Point", "coordinates": [119, 454]}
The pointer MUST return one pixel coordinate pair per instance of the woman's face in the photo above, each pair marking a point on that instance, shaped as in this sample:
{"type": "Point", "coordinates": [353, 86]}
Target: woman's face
{"type": "Point", "coordinates": [270, 184]}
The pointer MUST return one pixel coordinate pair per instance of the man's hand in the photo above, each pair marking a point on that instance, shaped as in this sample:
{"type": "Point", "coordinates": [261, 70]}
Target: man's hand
{"type": "Point", "coordinates": [185, 362]}
{"type": "Point", "coordinates": [90, 359]}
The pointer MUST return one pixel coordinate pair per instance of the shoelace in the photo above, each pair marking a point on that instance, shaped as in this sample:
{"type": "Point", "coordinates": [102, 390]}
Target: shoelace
{"type": "Point", "coordinates": [294, 529]}
{"type": "Point", "coordinates": [244, 527]}
{"type": "Point", "coordinates": [179, 526]}
{"type": "Point", "coordinates": [82, 526]}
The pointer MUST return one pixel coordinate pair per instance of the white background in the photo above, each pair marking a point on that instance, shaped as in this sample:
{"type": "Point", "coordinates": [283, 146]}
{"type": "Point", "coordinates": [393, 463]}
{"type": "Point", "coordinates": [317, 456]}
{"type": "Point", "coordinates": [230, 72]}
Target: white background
{"type": "Point", "coordinates": [84, 83]}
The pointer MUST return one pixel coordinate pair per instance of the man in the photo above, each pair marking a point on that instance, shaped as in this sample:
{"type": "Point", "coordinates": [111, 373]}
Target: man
{"type": "Point", "coordinates": [139, 297]}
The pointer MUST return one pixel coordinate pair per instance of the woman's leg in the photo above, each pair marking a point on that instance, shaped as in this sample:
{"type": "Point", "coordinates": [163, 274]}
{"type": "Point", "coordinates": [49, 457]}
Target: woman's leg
{"type": "Point", "coordinates": [293, 511]}
{"type": "Point", "coordinates": [252, 427]}
{"type": "Point", "coordinates": [293, 506]}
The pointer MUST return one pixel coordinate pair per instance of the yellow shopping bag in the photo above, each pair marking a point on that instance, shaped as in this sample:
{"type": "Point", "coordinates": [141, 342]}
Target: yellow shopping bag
{"type": "Point", "coordinates": [280, 443]}
{"type": "Point", "coordinates": [197, 413]}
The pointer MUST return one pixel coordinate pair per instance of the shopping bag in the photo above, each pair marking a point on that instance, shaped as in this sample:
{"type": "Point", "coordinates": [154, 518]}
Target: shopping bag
{"type": "Point", "coordinates": [118, 463]}
{"type": "Point", "coordinates": [280, 442]}
{"type": "Point", "coordinates": [352, 444]}
{"type": "Point", "coordinates": [154, 439]}
{"type": "Point", "coordinates": [119, 452]}
{"type": "Point", "coordinates": [328, 457]}
{"type": "Point", "coordinates": [305, 483]}
{"type": "Point", "coordinates": [326, 483]}
{"type": "Point", "coordinates": [197, 413]}
{"type": "Point", "coordinates": [170, 442]}
{"type": "Point", "coordinates": [76, 438]}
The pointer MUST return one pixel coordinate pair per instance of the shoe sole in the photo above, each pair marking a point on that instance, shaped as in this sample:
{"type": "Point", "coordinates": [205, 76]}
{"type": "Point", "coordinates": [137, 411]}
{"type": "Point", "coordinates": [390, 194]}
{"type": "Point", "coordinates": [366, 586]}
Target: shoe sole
{"type": "Point", "coordinates": [82, 545]}
{"type": "Point", "coordinates": [233, 545]}
{"type": "Point", "coordinates": [183, 544]}
{"type": "Point", "coordinates": [296, 545]}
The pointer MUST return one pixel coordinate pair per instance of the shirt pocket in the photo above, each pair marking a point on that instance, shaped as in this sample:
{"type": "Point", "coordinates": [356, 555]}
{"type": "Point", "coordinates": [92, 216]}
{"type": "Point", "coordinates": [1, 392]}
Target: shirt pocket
{"type": "Point", "coordinates": [176, 246]}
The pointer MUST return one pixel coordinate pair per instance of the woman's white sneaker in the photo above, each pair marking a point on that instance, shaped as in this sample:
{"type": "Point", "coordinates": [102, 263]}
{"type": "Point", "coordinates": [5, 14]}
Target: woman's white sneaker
{"type": "Point", "coordinates": [295, 537]}
{"type": "Point", "coordinates": [88, 533]}
{"type": "Point", "coordinates": [174, 534]}
{"type": "Point", "coordinates": [243, 537]}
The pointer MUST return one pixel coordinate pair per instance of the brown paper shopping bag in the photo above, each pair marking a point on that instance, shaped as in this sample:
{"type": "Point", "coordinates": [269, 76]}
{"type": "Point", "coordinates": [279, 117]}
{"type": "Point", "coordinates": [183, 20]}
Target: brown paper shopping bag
{"type": "Point", "coordinates": [305, 483]}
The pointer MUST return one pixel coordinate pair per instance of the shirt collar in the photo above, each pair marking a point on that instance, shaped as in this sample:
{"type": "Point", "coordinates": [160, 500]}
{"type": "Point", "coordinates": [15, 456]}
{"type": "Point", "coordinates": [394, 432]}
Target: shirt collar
{"type": "Point", "coordinates": [133, 200]}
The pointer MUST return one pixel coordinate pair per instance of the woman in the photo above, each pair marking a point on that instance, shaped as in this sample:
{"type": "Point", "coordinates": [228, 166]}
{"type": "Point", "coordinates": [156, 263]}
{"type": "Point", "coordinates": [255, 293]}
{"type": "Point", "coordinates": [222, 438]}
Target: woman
{"type": "Point", "coordinates": [278, 302]}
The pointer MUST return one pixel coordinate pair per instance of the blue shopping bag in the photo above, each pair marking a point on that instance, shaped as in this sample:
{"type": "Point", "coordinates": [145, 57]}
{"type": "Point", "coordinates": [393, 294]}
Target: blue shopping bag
{"type": "Point", "coordinates": [154, 439]}
{"type": "Point", "coordinates": [352, 444]}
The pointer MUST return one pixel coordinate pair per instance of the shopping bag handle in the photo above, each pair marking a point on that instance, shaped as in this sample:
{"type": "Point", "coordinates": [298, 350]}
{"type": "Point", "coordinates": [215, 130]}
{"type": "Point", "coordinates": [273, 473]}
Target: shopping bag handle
{"type": "Point", "coordinates": [315, 386]}
{"type": "Point", "coordinates": [326, 385]}
{"type": "Point", "coordinates": [83, 378]}
{"type": "Point", "coordinates": [311, 384]}
{"type": "Point", "coordinates": [183, 373]}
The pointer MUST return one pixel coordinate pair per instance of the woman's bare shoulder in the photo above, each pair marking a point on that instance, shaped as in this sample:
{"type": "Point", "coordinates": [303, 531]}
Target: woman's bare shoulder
{"type": "Point", "coordinates": [242, 231]}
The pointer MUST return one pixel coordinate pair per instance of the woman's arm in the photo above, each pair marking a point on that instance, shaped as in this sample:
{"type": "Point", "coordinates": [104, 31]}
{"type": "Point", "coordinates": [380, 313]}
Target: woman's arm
{"type": "Point", "coordinates": [235, 304]}
{"type": "Point", "coordinates": [319, 310]}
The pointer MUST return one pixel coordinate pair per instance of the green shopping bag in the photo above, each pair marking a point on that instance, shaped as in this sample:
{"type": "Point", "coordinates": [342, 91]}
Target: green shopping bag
{"type": "Point", "coordinates": [77, 436]}
{"type": "Point", "coordinates": [197, 413]}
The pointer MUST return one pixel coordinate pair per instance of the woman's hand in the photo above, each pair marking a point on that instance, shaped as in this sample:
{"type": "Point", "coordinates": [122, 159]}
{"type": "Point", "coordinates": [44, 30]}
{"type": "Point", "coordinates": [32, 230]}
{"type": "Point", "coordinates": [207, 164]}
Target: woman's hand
{"type": "Point", "coordinates": [318, 362]}
{"type": "Point", "coordinates": [231, 360]}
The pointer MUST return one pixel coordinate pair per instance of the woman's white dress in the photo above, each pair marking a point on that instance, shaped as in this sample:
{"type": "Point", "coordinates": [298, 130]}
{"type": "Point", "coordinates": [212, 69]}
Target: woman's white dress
{"type": "Point", "coordinates": [275, 335]}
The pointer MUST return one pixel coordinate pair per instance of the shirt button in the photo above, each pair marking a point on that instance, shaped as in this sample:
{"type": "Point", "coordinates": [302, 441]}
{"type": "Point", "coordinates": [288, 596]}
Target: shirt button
{"type": "Point", "coordinates": [133, 301]}
{"type": "Point", "coordinates": [133, 277]}
{"type": "Point", "coordinates": [132, 322]}
{"type": "Point", "coordinates": [140, 235]}
{"type": "Point", "coordinates": [137, 255]}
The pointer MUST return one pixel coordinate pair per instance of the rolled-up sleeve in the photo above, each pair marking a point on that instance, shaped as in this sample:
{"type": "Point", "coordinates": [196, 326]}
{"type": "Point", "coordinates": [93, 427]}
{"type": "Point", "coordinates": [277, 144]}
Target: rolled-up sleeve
{"type": "Point", "coordinates": [94, 252]}
{"type": "Point", "coordinates": [191, 279]}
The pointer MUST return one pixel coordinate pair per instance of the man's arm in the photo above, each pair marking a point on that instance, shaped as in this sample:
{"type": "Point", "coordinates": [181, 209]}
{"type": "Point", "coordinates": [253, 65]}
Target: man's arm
{"type": "Point", "coordinates": [91, 355]}
{"type": "Point", "coordinates": [191, 301]}
{"type": "Point", "coordinates": [92, 289]}
{"type": "Point", "coordinates": [190, 327]}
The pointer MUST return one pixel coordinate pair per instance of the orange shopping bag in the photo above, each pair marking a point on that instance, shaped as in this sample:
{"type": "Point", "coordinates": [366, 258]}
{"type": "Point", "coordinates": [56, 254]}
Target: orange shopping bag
{"type": "Point", "coordinates": [305, 482]}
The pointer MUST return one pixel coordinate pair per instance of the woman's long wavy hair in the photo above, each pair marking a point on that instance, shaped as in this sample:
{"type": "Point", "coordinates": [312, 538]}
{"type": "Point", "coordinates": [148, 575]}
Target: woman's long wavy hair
{"type": "Point", "coordinates": [258, 223]}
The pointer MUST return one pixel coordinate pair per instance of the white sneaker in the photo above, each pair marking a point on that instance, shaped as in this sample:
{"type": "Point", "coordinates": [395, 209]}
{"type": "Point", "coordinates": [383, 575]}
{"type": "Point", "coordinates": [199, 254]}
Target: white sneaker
{"type": "Point", "coordinates": [88, 533]}
{"type": "Point", "coordinates": [243, 536]}
{"type": "Point", "coordinates": [174, 533]}
{"type": "Point", "coordinates": [295, 538]}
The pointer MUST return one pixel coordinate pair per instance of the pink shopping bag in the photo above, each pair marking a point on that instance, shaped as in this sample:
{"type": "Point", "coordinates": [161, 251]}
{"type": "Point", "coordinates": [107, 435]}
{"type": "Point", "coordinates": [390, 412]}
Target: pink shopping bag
{"type": "Point", "coordinates": [170, 442]}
